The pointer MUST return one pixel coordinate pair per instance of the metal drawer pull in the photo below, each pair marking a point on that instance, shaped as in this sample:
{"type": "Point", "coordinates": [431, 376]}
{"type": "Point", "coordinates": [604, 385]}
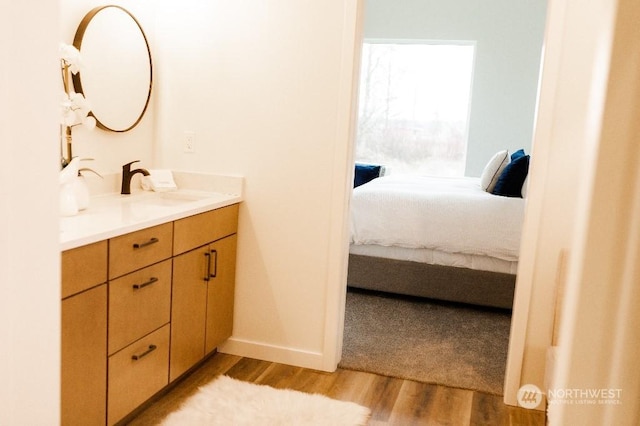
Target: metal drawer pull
{"type": "Point", "coordinates": [151, 281]}
{"type": "Point", "coordinates": [207, 274]}
{"type": "Point", "coordinates": [153, 240]}
{"type": "Point", "coordinates": [215, 265]}
{"type": "Point", "coordinates": [145, 353]}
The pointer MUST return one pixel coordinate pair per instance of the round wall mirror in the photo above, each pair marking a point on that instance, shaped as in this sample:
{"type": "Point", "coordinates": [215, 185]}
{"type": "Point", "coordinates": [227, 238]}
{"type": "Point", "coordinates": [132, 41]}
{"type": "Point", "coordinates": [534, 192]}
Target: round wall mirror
{"type": "Point", "coordinates": [116, 75]}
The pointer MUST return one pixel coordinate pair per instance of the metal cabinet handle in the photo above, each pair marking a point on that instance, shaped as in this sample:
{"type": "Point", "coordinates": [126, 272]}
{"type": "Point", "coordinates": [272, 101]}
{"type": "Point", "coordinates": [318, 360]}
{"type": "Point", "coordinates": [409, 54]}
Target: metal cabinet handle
{"type": "Point", "coordinates": [207, 274]}
{"type": "Point", "coordinates": [152, 240]}
{"type": "Point", "coordinates": [151, 281]}
{"type": "Point", "coordinates": [145, 353]}
{"type": "Point", "coordinates": [215, 264]}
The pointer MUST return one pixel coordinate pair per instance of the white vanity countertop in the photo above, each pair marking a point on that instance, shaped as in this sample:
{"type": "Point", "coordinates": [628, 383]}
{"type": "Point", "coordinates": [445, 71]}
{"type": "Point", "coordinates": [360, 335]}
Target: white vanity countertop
{"type": "Point", "coordinates": [112, 214]}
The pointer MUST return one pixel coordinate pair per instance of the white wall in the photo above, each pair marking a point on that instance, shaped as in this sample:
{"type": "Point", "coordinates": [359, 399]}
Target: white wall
{"type": "Point", "coordinates": [570, 96]}
{"type": "Point", "coordinates": [509, 42]}
{"type": "Point", "coordinates": [599, 341]}
{"type": "Point", "coordinates": [266, 87]}
{"type": "Point", "coordinates": [29, 254]}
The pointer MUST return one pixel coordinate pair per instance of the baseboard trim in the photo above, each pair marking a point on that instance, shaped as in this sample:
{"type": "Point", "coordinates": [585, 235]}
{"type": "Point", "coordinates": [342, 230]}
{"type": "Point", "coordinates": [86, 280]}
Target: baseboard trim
{"type": "Point", "coordinates": [274, 353]}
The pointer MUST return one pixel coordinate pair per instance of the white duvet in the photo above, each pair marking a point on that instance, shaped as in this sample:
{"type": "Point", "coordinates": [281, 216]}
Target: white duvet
{"type": "Point", "coordinates": [448, 214]}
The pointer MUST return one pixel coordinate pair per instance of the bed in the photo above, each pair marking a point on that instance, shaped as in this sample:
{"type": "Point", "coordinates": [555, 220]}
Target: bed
{"type": "Point", "coordinates": [441, 238]}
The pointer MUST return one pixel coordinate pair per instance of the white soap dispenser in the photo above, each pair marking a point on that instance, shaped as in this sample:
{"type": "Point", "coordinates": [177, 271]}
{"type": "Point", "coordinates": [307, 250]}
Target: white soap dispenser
{"type": "Point", "coordinates": [68, 200]}
{"type": "Point", "coordinates": [81, 188]}
{"type": "Point", "coordinates": [81, 191]}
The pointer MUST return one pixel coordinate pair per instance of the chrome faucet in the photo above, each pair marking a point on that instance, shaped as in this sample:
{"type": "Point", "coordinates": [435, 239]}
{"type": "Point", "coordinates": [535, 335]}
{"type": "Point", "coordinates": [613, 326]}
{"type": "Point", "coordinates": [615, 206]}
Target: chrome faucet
{"type": "Point", "coordinates": [127, 174]}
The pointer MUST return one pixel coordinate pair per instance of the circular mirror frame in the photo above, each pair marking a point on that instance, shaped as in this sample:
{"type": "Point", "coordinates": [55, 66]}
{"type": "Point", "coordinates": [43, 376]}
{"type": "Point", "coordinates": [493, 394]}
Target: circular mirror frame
{"type": "Point", "coordinates": [77, 79]}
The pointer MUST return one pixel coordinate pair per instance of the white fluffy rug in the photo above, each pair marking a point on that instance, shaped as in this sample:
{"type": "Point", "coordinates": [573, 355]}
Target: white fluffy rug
{"type": "Point", "coordinates": [230, 402]}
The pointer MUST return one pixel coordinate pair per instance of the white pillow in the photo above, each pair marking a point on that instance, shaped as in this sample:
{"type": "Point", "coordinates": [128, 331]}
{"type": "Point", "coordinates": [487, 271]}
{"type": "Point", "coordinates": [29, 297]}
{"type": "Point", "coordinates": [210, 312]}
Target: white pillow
{"type": "Point", "coordinates": [493, 169]}
{"type": "Point", "coordinates": [525, 187]}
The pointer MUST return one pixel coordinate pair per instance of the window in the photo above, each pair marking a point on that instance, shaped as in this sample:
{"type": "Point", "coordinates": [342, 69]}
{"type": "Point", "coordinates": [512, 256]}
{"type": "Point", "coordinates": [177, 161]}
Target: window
{"type": "Point", "coordinates": [414, 107]}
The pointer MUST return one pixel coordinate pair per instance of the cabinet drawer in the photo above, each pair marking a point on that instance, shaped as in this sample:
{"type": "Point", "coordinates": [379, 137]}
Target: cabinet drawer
{"type": "Point", "coordinates": [195, 231]}
{"type": "Point", "coordinates": [139, 303]}
{"type": "Point", "coordinates": [137, 372]}
{"type": "Point", "coordinates": [84, 267]}
{"type": "Point", "coordinates": [138, 249]}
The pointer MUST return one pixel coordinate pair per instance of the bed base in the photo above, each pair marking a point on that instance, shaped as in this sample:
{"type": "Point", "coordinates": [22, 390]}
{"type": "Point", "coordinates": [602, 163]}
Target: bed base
{"type": "Point", "coordinates": [448, 283]}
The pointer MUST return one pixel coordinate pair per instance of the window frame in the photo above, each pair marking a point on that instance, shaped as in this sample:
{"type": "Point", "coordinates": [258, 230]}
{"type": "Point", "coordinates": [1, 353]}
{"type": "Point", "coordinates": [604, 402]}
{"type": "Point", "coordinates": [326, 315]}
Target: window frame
{"type": "Point", "coordinates": [433, 42]}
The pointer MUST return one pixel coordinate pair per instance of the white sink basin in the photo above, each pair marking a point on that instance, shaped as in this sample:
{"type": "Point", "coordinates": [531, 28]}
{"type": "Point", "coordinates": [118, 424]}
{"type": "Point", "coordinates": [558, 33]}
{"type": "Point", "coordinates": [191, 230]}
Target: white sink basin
{"type": "Point", "coordinates": [172, 198]}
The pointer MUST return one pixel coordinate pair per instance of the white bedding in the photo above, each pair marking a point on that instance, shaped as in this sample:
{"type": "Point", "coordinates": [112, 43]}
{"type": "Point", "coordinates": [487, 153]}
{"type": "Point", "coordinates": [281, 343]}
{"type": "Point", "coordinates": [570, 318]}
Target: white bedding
{"type": "Point", "coordinates": [453, 215]}
{"type": "Point", "coordinates": [437, 257]}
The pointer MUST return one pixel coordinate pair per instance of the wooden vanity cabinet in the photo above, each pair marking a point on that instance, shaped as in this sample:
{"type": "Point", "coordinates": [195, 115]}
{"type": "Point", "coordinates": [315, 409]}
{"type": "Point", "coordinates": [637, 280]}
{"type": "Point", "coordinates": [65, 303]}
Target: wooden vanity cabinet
{"type": "Point", "coordinates": [140, 309]}
{"type": "Point", "coordinates": [84, 335]}
{"type": "Point", "coordinates": [203, 286]}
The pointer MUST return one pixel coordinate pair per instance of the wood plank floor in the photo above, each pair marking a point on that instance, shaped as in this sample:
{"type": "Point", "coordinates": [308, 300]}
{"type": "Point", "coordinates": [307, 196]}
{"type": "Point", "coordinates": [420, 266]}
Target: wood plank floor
{"type": "Point", "coordinates": [392, 401]}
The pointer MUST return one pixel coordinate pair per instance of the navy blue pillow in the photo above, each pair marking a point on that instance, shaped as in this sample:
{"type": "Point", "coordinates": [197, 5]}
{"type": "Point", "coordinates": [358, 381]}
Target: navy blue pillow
{"type": "Point", "coordinates": [510, 181]}
{"type": "Point", "coordinates": [519, 153]}
{"type": "Point", "coordinates": [365, 173]}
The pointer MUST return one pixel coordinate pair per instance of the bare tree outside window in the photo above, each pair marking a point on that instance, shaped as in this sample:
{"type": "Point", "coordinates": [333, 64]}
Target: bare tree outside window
{"type": "Point", "coordinates": [414, 107]}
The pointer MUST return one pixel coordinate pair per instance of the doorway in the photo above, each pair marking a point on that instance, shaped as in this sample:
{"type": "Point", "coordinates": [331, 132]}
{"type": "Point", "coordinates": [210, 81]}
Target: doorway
{"type": "Point", "coordinates": [507, 65]}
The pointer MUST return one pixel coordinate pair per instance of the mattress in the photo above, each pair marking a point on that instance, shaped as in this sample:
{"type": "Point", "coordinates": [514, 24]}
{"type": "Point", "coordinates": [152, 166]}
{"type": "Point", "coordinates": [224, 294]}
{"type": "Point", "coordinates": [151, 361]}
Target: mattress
{"type": "Point", "coordinates": [436, 257]}
{"type": "Point", "coordinates": [451, 221]}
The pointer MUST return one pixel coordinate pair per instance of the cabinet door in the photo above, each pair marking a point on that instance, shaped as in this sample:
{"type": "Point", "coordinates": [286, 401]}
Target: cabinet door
{"type": "Point", "coordinates": [84, 358]}
{"type": "Point", "coordinates": [188, 310]}
{"type": "Point", "coordinates": [221, 291]}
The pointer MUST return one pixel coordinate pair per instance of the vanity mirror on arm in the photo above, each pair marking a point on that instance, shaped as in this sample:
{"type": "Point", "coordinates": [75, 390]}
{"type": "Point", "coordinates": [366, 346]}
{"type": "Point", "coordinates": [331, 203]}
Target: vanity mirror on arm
{"type": "Point", "coordinates": [117, 70]}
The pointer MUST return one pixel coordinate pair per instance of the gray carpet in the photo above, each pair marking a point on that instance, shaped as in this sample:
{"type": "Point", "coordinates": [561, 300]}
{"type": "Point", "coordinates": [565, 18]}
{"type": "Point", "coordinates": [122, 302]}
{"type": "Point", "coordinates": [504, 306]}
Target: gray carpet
{"type": "Point", "coordinates": [427, 341]}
